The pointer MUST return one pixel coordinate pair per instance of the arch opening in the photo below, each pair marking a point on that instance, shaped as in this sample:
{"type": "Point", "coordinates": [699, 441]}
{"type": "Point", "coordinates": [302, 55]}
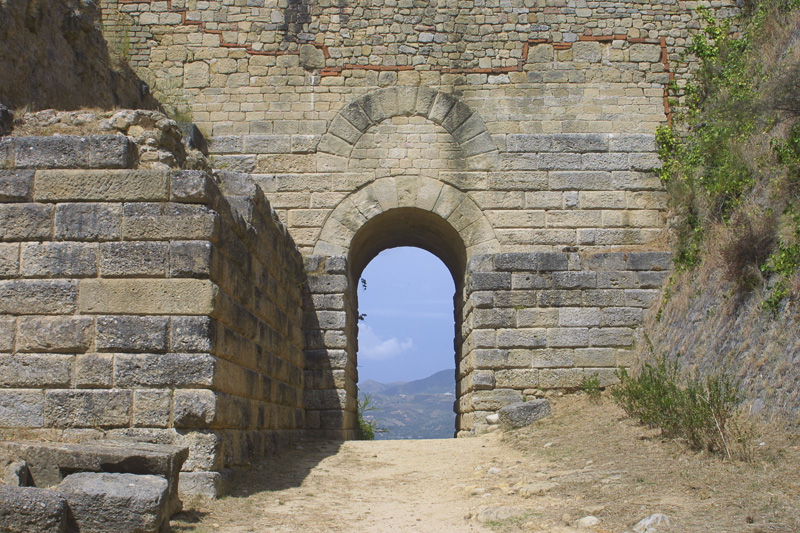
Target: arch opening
{"type": "Point", "coordinates": [406, 354]}
{"type": "Point", "coordinates": [417, 228]}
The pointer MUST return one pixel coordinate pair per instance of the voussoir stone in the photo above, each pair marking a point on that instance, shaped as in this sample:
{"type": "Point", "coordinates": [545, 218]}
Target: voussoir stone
{"type": "Point", "coordinates": [523, 414]}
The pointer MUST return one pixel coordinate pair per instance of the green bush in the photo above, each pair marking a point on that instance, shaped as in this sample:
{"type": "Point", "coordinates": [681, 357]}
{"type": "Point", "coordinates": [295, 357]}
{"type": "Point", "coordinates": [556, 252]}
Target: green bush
{"type": "Point", "coordinates": [591, 386]}
{"type": "Point", "coordinates": [367, 426]}
{"type": "Point", "coordinates": [698, 411]}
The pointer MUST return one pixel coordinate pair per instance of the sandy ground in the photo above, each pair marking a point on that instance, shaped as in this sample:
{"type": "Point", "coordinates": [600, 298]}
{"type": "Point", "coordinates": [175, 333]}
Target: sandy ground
{"type": "Point", "coordinates": [585, 460]}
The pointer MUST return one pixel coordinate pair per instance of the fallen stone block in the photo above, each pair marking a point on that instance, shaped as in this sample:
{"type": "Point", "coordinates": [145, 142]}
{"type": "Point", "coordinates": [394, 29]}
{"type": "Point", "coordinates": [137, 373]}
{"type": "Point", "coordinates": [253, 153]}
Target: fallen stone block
{"type": "Point", "coordinates": [14, 472]}
{"type": "Point", "coordinates": [32, 510]}
{"type": "Point", "coordinates": [49, 462]}
{"type": "Point", "coordinates": [122, 503]}
{"type": "Point", "coordinates": [523, 414]}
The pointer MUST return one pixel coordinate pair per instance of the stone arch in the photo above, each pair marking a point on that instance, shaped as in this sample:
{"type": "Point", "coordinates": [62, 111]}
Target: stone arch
{"type": "Point", "coordinates": [465, 126]}
{"type": "Point", "coordinates": [404, 211]}
{"type": "Point", "coordinates": [427, 198]}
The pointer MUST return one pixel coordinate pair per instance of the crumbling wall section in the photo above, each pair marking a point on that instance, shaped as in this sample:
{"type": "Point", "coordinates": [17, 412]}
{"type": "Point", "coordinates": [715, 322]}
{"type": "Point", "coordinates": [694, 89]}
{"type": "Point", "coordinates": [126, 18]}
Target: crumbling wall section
{"type": "Point", "coordinates": [145, 303]}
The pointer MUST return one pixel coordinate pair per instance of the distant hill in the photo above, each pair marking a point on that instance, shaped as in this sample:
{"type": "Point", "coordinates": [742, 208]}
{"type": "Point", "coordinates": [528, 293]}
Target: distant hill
{"type": "Point", "coordinates": [420, 409]}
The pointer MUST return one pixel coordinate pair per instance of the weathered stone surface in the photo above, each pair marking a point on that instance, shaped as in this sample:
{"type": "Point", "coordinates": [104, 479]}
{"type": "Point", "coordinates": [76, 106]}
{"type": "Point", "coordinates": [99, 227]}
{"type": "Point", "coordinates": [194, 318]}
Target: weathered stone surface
{"type": "Point", "coordinates": [14, 473]}
{"type": "Point", "coordinates": [50, 462]}
{"type": "Point", "coordinates": [101, 185]}
{"type": "Point", "coordinates": [58, 260]}
{"type": "Point", "coordinates": [22, 222]}
{"type": "Point", "coordinates": [44, 297]}
{"type": "Point", "coordinates": [134, 259]}
{"type": "Point", "coordinates": [65, 408]}
{"type": "Point", "coordinates": [16, 185]}
{"type": "Point", "coordinates": [88, 222]}
{"type": "Point", "coordinates": [132, 334]}
{"type": "Point", "coordinates": [157, 297]}
{"type": "Point", "coordinates": [124, 503]}
{"type": "Point", "coordinates": [35, 370]}
{"type": "Point", "coordinates": [171, 369]}
{"type": "Point", "coordinates": [21, 408]}
{"type": "Point", "coordinates": [523, 414]}
{"type": "Point", "coordinates": [32, 510]}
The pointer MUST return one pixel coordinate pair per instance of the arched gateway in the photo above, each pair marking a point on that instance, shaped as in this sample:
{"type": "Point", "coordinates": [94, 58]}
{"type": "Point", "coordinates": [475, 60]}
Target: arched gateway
{"type": "Point", "coordinates": [515, 141]}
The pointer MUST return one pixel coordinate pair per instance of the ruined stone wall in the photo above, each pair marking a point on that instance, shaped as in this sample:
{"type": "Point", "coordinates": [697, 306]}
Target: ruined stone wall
{"type": "Point", "coordinates": [145, 303]}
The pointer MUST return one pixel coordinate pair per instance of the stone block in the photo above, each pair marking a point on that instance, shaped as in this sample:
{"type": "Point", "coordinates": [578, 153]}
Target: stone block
{"type": "Point", "coordinates": [58, 260]}
{"type": "Point", "coordinates": [50, 462]}
{"type": "Point", "coordinates": [537, 318]}
{"type": "Point", "coordinates": [331, 144]}
{"type": "Point", "coordinates": [622, 316]}
{"type": "Point", "coordinates": [483, 380]}
{"type": "Point", "coordinates": [123, 503]}
{"type": "Point", "coordinates": [441, 106]}
{"type": "Point", "coordinates": [650, 261]}
{"type": "Point", "coordinates": [88, 222]}
{"type": "Point", "coordinates": [457, 116]}
{"type": "Point", "coordinates": [644, 53]}
{"type": "Point", "coordinates": [72, 334]}
{"type": "Point", "coordinates": [146, 297]}
{"type": "Point", "coordinates": [169, 221]}
{"type": "Point", "coordinates": [22, 408]}
{"type": "Point", "coordinates": [32, 510]}
{"type": "Point", "coordinates": [568, 337]}
{"type": "Point", "coordinates": [14, 473]}
{"type": "Point", "coordinates": [101, 185]}
{"type": "Point", "coordinates": [560, 378]}
{"type": "Point", "coordinates": [372, 104]}
{"type": "Point", "coordinates": [134, 259]}
{"type": "Point", "coordinates": [343, 129]}
{"type": "Point", "coordinates": [191, 334]}
{"type": "Point", "coordinates": [195, 408]}
{"type": "Point", "coordinates": [611, 337]}
{"type": "Point", "coordinates": [495, 399]}
{"type": "Point", "coordinates": [267, 144]}
{"type": "Point", "coordinates": [522, 338]}
{"type": "Point", "coordinates": [94, 370]}
{"type": "Point", "coordinates": [58, 151]}
{"type": "Point", "coordinates": [191, 186]}
{"type": "Point", "coordinates": [16, 185]}
{"type": "Point", "coordinates": [531, 281]}
{"type": "Point", "coordinates": [151, 408]}
{"type": "Point", "coordinates": [533, 262]}
{"type": "Point", "coordinates": [203, 484]}
{"type": "Point", "coordinates": [87, 408]}
{"type": "Point", "coordinates": [8, 327]}
{"type": "Point", "coordinates": [552, 358]}
{"type": "Point", "coordinates": [132, 334]}
{"type": "Point", "coordinates": [479, 144]}
{"type": "Point", "coordinates": [165, 370]}
{"type": "Point", "coordinates": [632, 142]}
{"type": "Point", "coordinates": [26, 222]}
{"type": "Point", "coordinates": [356, 116]}
{"type": "Point", "coordinates": [226, 144]}
{"type": "Point", "coordinates": [9, 260]}
{"type": "Point", "coordinates": [35, 370]}
{"type": "Point", "coordinates": [575, 280]}
{"type": "Point", "coordinates": [190, 259]}
{"type": "Point", "coordinates": [523, 414]}
{"type": "Point", "coordinates": [493, 318]}
{"type": "Point", "coordinates": [490, 281]}
{"type": "Point", "coordinates": [44, 297]}
{"type": "Point", "coordinates": [578, 316]}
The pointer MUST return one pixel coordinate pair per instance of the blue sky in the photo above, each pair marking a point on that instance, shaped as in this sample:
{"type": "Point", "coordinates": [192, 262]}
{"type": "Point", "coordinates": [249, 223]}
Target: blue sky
{"type": "Point", "coordinates": [408, 330]}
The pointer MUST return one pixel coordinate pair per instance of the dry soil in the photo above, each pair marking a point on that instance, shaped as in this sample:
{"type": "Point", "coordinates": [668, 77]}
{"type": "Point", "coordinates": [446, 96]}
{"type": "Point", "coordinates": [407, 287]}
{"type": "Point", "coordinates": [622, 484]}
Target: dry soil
{"type": "Point", "coordinates": [587, 459]}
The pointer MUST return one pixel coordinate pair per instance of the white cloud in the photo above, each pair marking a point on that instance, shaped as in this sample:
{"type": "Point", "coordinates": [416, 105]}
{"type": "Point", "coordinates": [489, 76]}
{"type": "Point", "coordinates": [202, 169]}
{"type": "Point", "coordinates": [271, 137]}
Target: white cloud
{"type": "Point", "coordinates": [370, 346]}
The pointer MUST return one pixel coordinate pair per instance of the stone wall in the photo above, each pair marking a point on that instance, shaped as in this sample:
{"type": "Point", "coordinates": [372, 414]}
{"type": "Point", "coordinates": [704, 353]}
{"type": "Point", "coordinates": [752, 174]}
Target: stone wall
{"type": "Point", "coordinates": [541, 321]}
{"type": "Point", "coordinates": [145, 303]}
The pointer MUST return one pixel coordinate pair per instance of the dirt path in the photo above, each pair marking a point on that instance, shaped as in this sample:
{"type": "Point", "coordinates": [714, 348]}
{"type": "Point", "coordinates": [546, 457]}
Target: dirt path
{"type": "Point", "coordinates": [586, 460]}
